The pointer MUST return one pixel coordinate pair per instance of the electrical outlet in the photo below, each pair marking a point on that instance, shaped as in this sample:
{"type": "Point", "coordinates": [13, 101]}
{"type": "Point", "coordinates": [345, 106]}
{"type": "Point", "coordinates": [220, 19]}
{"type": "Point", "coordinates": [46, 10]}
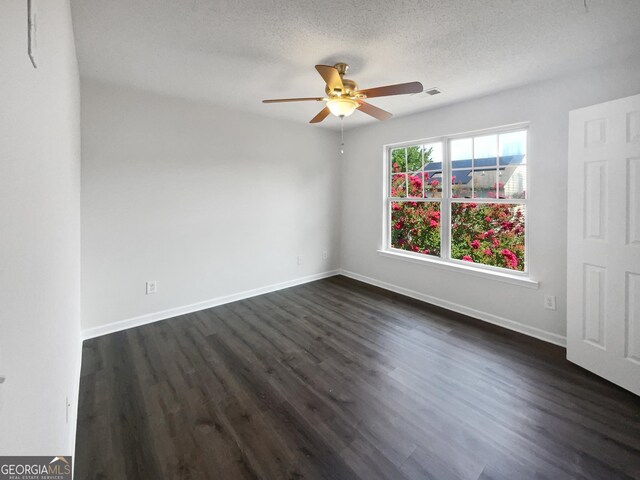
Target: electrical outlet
{"type": "Point", "coordinates": [550, 302]}
{"type": "Point", "coordinates": [300, 260]}
{"type": "Point", "coordinates": [152, 287]}
{"type": "Point", "coordinates": [325, 254]}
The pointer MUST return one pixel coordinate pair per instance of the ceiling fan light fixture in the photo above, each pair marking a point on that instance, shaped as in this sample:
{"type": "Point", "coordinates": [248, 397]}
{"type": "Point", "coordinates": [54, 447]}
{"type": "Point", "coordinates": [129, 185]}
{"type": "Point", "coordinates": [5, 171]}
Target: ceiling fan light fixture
{"type": "Point", "coordinates": [344, 96]}
{"type": "Point", "coordinates": [342, 107]}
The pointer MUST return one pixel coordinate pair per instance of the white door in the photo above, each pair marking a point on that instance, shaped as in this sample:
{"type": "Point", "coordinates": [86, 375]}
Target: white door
{"type": "Point", "coordinates": [603, 239]}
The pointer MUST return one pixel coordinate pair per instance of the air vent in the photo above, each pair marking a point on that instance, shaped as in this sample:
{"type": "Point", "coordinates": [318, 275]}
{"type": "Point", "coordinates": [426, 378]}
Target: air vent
{"type": "Point", "coordinates": [433, 91]}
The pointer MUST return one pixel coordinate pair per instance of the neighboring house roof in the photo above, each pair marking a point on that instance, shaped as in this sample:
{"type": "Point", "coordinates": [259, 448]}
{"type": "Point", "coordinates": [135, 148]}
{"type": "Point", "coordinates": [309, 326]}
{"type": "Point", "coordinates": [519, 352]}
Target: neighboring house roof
{"type": "Point", "coordinates": [463, 168]}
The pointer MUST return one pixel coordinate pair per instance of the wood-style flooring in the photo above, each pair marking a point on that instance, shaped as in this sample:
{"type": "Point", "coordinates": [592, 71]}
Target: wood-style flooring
{"type": "Point", "coordinates": [340, 380]}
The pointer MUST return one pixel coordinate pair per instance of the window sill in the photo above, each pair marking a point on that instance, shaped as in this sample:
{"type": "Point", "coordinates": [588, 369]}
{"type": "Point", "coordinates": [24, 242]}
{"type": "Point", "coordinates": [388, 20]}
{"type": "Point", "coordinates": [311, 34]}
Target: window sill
{"type": "Point", "coordinates": [513, 279]}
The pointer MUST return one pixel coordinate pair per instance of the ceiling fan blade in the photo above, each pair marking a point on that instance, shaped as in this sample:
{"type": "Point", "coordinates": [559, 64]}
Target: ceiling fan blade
{"type": "Point", "coordinates": [331, 77]}
{"type": "Point", "coordinates": [398, 89]}
{"type": "Point", "coordinates": [321, 116]}
{"type": "Point", "coordinates": [375, 112]}
{"type": "Point", "coordinates": [280, 100]}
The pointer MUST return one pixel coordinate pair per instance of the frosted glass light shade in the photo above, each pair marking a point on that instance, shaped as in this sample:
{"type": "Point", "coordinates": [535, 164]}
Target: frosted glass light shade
{"type": "Point", "coordinates": [342, 107]}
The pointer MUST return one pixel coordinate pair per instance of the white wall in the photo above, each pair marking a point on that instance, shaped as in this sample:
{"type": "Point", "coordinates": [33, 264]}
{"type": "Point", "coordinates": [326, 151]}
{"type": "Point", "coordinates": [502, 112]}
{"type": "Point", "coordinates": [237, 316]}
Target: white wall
{"type": "Point", "coordinates": [207, 202]}
{"type": "Point", "coordinates": [39, 231]}
{"type": "Point", "coordinates": [545, 106]}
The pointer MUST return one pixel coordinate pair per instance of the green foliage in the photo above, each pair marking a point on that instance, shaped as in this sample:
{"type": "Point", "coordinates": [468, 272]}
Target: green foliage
{"type": "Point", "coordinates": [398, 160]}
{"type": "Point", "coordinates": [414, 158]}
{"type": "Point", "coordinates": [410, 159]}
{"type": "Point", "coordinates": [427, 155]}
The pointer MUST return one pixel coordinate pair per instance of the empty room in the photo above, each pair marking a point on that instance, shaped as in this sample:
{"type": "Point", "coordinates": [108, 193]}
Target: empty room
{"type": "Point", "coordinates": [319, 240]}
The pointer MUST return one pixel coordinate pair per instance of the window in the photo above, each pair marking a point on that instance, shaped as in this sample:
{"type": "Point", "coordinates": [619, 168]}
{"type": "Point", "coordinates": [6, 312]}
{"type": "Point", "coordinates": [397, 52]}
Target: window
{"type": "Point", "coordinates": [460, 199]}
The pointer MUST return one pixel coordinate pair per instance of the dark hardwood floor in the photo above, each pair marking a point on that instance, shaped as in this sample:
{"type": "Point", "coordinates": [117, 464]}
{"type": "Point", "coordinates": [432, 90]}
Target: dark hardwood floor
{"type": "Point", "coordinates": [340, 380]}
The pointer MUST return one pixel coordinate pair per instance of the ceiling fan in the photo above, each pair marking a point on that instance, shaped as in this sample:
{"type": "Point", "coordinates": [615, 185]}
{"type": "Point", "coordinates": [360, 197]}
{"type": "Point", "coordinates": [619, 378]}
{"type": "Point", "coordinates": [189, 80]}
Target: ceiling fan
{"type": "Point", "coordinates": [344, 97]}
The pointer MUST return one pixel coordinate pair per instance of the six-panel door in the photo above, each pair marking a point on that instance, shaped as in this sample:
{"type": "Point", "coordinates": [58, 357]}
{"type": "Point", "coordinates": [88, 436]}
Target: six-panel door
{"type": "Point", "coordinates": [603, 241]}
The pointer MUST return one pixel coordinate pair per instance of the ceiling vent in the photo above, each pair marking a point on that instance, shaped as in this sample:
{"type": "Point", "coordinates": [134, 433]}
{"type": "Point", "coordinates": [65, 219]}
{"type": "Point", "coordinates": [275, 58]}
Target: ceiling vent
{"type": "Point", "coordinates": [433, 91]}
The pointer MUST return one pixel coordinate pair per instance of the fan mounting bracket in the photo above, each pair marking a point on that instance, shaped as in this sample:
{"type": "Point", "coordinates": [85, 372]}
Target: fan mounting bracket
{"type": "Point", "coordinates": [342, 68]}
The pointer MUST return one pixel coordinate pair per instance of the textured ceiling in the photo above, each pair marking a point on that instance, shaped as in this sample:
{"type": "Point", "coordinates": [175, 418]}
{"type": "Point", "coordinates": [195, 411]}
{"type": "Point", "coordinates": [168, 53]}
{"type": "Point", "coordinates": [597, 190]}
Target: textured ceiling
{"type": "Point", "coordinates": [236, 52]}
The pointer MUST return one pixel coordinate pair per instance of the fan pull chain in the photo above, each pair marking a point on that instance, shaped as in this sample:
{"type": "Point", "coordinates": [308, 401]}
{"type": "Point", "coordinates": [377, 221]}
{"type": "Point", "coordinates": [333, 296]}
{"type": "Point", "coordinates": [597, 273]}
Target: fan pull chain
{"type": "Point", "coordinates": [342, 134]}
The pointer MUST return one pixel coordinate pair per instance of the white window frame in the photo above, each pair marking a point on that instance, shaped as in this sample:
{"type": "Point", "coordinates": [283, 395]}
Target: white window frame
{"type": "Point", "coordinates": [446, 201]}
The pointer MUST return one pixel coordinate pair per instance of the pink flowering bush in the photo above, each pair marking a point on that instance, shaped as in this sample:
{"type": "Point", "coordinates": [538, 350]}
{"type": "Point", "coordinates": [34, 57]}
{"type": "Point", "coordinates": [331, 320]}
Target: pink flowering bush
{"type": "Point", "coordinates": [490, 234]}
{"type": "Point", "coordinates": [415, 226]}
{"type": "Point", "coordinates": [399, 185]}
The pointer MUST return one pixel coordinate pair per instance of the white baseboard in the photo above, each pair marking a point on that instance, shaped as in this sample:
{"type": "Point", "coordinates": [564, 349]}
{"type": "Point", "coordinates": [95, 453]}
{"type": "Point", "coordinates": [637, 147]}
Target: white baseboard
{"type": "Point", "coordinates": [194, 307]}
{"type": "Point", "coordinates": [471, 312]}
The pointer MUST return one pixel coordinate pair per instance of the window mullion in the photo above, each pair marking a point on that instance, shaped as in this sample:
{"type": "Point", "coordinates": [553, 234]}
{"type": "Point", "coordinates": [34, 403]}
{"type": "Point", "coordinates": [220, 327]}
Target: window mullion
{"type": "Point", "coordinates": [497, 185]}
{"type": "Point", "coordinates": [406, 172]}
{"type": "Point", "coordinates": [422, 172]}
{"type": "Point", "coordinates": [386, 168]}
{"type": "Point", "coordinates": [445, 206]}
{"type": "Point", "coordinates": [473, 168]}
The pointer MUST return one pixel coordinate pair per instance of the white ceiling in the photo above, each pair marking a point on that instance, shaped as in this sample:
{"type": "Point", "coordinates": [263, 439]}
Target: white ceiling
{"type": "Point", "coordinates": [236, 52]}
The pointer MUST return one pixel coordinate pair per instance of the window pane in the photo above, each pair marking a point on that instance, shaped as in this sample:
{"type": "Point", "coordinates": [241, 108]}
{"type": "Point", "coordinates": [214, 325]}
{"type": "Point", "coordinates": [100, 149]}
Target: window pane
{"type": "Point", "coordinates": [512, 160]}
{"type": "Point", "coordinates": [415, 184]}
{"type": "Point", "coordinates": [490, 234]}
{"type": "Point", "coordinates": [512, 182]}
{"type": "Point", "coordinates": [414, 159]}
{"type": "Point", "coordinates": [433, 153]}
{"type": "Point", "coordinates": [462, 153]}
{"type": "Point", "coordinates": [433, 170]}
{"type": "Point", "coordinates": [485, 147]}
{"type": "Point", "coordinates": [432, 186]}
{"type": "Point", "coordinates": [461, 183]}
{"type": "Point", "coordinates": [484, 183]}
{"type": "Point", "coordinates": [415, 226]}
{"type": "Point", "coordinates": [398, 160]}
{"type": "Point", "coordinates": [513, 143]}
{"type": "Point", "coordinates": [399, 185]}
